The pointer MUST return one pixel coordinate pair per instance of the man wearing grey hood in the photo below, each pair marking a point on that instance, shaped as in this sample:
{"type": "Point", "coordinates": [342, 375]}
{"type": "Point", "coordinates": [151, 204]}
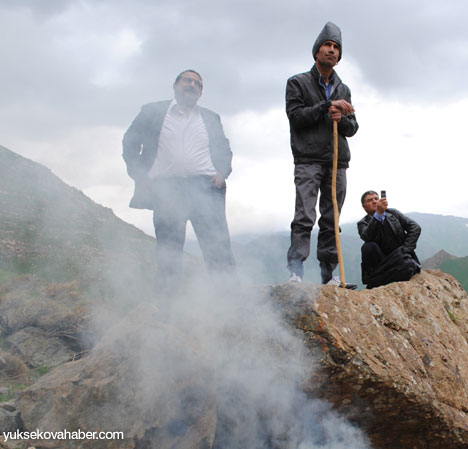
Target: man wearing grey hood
{"type": "Point", "coordinates": [314, 100]}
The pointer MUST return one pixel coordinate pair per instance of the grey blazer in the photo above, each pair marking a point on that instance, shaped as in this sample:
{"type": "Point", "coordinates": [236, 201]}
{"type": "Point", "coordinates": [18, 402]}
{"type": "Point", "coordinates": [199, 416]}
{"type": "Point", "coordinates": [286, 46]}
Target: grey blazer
{"type": "Point", "coordinates": [141, 141]}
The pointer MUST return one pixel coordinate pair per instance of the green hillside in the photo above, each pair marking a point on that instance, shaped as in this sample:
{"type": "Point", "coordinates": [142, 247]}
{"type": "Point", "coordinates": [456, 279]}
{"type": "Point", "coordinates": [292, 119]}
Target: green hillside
{"type": "Point", "coordinates": [55, 232]}
{"type": "Point", "coordinates": [458, 268]}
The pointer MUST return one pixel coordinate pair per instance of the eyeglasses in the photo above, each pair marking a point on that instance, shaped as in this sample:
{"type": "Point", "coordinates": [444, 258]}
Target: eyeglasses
{"type": "Point", "coordinates": [188, 80]}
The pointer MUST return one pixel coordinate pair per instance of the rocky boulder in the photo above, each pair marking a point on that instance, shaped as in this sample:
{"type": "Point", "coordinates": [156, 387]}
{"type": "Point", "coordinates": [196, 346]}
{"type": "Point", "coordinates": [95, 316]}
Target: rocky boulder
{"type": "Point", "coordinates": [127, 384]}
{"type": "Point", "coordinates": [394, 358]}
{"type": "Point", "coordinates": [10, 420]}
{"type": "Point", "coordinates": [43, 324]}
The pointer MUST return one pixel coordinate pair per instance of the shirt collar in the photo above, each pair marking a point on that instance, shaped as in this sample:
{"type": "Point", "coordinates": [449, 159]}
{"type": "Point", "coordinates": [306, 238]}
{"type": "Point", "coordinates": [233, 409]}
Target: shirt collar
{"type": "Point", "coordinates": [330, 81]}
{"type": "Point", "coordinates": [174, 108]}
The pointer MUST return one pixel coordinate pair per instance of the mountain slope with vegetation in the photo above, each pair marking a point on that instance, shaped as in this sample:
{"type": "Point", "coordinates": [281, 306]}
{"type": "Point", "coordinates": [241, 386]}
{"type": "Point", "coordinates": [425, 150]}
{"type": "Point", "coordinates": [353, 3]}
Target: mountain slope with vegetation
{"type": "Point", "coordinates": [54, 231]}
{"type": "Point", "coordinates": [458, 268]}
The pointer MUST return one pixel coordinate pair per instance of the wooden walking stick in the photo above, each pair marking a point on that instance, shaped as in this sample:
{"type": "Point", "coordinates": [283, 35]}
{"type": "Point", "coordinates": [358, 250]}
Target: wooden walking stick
{"type": "Point", "coordinates": [335, 204]}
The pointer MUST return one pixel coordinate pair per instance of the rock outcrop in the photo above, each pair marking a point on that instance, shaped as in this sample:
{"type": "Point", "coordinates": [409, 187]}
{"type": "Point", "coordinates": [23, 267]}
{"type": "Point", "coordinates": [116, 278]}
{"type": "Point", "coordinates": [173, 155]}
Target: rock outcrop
{"type": "Point", "coordinates": [126, 384]}
{"type": "Point", "coordinates": [394, 359]}
{"type": "Point", "coordinates": [43, 324]}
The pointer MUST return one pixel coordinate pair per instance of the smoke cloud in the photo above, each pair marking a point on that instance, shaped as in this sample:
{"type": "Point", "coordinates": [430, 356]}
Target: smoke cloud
{"type": "Point", "coordinates": [256, 363]}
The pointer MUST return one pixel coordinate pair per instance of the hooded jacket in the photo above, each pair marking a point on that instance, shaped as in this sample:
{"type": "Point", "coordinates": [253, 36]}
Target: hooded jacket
{"type": "Point", "coordinates": [310, 124]}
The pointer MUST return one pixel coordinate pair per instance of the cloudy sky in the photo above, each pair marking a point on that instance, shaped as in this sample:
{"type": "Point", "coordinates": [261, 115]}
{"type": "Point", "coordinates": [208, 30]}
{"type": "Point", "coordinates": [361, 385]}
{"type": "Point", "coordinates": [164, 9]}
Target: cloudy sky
{"type": "Point", "coordinates": [75, 73]}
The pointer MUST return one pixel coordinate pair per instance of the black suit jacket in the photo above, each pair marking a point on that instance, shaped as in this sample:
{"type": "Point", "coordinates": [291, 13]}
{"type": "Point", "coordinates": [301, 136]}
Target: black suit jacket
{"type": "Point", "coordinates": [141, 141]}
{"type": "Point", "coordinates": [406, 230]}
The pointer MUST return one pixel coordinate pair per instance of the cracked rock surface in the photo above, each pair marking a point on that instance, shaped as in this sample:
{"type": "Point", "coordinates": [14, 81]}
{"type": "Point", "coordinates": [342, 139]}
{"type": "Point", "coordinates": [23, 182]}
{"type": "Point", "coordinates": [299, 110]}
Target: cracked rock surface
{"type": "Point", "coordinates": [394, 358]}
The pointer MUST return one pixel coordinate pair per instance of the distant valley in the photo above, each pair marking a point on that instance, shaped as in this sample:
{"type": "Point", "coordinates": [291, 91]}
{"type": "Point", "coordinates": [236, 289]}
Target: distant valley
{"type": "Point", "coordinates": [262, 258]}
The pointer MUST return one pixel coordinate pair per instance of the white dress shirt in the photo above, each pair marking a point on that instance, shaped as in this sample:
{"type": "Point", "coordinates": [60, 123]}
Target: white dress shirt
{"type": "Point", "coordinates": [183, 146]}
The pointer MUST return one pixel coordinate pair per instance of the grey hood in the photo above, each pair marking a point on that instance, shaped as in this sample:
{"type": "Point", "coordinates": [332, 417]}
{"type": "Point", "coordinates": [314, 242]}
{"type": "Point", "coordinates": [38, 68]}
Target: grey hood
{"type": "Point", "coordinates": [330, 32]}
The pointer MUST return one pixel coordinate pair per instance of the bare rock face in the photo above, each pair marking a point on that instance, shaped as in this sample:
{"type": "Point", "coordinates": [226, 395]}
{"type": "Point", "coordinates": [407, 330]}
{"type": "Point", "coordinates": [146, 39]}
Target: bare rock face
{"type": "Point", "coordinates": [118, 387]}
{"type": "Point", "coordinates": [43, 324]}
{"type": "Point", "coordinates": [10, 420]}
{"type": "Point", "coordinates": [394, 358]}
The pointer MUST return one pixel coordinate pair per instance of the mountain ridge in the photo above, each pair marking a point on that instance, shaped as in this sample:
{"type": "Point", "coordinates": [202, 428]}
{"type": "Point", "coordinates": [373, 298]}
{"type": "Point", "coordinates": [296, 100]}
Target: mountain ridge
{"type": "Point", "coordinates": [56, 232]}
{"type": "Point", "coordinates": [263, 256]}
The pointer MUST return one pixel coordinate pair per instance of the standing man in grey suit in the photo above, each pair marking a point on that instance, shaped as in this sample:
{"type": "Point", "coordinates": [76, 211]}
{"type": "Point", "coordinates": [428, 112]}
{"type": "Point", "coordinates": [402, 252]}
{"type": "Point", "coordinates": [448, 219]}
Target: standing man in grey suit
{"type": "Point", "coordinates": [314, 100]}
{"type": "Point", "coordinates": [179, 158]}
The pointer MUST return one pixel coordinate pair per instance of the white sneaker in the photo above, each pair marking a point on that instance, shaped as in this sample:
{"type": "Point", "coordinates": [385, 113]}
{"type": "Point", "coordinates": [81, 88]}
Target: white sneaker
{"type": "Point", "coordinates": [336, 281]}
{"type": "Point", "coordinates": [295, 278]}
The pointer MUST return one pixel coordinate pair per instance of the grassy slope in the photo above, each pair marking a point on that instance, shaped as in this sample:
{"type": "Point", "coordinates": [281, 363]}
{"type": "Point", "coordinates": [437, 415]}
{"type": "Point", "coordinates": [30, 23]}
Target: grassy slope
{"type": "Point", "coordinates": [458, 268]}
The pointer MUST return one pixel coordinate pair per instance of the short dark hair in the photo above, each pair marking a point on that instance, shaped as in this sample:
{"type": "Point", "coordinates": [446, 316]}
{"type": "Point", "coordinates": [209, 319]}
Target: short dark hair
{"type": "Point", "coordinates": [369, 192]}
{"type": "Point", "coordinates": [179, 76]}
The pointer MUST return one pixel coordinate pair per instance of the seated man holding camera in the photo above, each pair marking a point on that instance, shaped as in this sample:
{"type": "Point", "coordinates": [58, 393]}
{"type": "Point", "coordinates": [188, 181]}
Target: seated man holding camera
{"type": "Point", "coordinates": [390, 240]}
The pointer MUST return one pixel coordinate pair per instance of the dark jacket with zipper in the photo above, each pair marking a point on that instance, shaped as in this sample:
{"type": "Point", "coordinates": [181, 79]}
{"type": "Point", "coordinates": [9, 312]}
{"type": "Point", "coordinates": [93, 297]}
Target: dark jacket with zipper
{"type": "Point", "coordinates": [406, 231]}
{"type": "Point", "coordinates": [141, 141]}
{"type": "Point", "coordinates": [310, 125]}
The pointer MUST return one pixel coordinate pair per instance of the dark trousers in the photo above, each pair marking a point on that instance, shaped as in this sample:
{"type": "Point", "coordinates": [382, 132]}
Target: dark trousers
{"type": "Point", "coordinates": [196, 198]}
{"type": "Point", "coordinates": [310, 179]}
{"type": "Point", "coordinates": [371, 256]}
{"type": "Point", "coordinates": [379, 268]}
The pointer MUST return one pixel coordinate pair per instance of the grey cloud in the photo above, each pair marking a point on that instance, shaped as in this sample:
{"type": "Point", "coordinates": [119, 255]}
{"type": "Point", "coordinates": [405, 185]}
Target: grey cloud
{"type": "Point", "coordinates": [43, 9]}
{"type": "Point", "coordinates": [244, 50]}
{"type": "Point", "coordinates": [409, 50]}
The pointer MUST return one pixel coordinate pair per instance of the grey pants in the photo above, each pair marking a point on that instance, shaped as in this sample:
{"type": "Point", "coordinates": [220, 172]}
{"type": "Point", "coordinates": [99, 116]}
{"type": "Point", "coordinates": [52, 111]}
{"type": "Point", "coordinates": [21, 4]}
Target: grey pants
{"type": "Point", "coordinates": [310, 179]}
{"type": "Point", "coordinates": [178, 200]}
